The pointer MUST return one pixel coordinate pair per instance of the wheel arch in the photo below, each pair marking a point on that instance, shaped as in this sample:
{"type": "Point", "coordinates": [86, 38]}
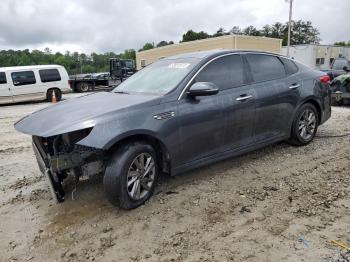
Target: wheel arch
{"type": "Point", "coordinates": [52, 88]}
{"type": "Point", "coordinates": [161, 149]}
{"type": "Point", "coordinates": [316, 104]}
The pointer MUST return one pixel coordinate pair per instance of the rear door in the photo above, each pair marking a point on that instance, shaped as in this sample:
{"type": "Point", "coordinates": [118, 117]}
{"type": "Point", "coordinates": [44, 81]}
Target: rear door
{"type": "Point", "coordinates": [5, 93]}
{"type": "Point", "coordinates": [273, 96]}
{"type": "Point", "coordinates": [26, 85]}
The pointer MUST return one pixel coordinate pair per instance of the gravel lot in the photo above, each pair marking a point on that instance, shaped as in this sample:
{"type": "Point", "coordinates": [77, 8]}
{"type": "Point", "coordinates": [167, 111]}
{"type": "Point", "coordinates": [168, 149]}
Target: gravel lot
{"type": "Point", "coordinates": [280, 203]}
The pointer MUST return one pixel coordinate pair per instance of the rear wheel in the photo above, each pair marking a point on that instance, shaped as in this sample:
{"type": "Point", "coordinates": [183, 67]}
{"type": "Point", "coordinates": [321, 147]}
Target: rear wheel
{"type": "Point", "coordinates": [57, 92]}
{"type": "Point", "coordinates": [305, 125]}
{"type": "Point", "coordinates": [131, 175]}
{"type": "Point", "coordinates": [83, 87]}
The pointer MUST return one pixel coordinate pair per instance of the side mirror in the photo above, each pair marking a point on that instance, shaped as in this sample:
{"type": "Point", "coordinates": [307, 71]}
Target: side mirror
{"type": "Point", "coordinates": [203, 89]}
{"type": "Point", "coordinates": [345, 68]}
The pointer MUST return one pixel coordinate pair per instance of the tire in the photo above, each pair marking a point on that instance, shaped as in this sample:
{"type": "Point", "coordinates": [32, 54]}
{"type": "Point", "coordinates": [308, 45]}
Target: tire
{"type": "Point", "coordinates": [58, 95]}
{"type": "Point", "coordinates": [303, 132]}
{"type": "Point", "coordinates": [122, 170]}
{"type": "Point", "coordinates": [83, 87]}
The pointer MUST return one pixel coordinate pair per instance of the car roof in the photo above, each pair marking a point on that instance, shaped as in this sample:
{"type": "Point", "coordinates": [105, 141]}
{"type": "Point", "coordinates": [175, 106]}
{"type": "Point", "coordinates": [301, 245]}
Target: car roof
{"type": "Point", "coordinates": [29, 67]}
{"type": "Point", "coordinates": [215, 52]}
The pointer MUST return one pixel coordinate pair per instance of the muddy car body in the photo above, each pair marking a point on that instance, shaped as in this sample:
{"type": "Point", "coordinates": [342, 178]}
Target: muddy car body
{"type": "Point", "coordinates": [177, 114]}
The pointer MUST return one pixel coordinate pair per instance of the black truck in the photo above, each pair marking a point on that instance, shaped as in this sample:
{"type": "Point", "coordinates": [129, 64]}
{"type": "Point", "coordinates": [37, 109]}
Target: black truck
{"type": "Point", "coordinates": [119, 69]}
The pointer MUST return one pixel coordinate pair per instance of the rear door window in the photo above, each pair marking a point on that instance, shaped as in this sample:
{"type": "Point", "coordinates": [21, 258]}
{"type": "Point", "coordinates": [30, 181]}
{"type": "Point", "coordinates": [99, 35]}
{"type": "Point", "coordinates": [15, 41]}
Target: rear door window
{"type": "Point", "coordinates": [49, 75]}
{"type": "Point", "coordinates": [265, 67]}
{"type": "Point", "coordinates": [3, 78]}
{"type": "Point", "coordinates": [226, 72]}
{"type": "Point", "coordinates": [23, 78]}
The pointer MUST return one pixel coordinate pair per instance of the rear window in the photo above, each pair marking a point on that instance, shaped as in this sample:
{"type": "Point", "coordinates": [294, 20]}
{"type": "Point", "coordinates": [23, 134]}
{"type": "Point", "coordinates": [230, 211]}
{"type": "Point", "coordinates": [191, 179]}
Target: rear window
{"type": "Point", "coordinates": [3, 78]}
{"type": "Point", "coordinates": [23, 78]}
{"type": "Point", "coordinates": [49, 75]}
{"type": "Point", "coordinates": [289, 65]}
{"type": "Point", "coordinates": [265, 67]}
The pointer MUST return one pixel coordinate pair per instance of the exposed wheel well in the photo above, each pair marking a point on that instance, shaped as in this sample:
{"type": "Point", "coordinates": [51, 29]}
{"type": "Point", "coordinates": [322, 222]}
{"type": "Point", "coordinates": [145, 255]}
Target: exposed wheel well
{"type": "Point", "coordinates": [161, 150]}
{"type": "Point", "coordinates": [318, 108]}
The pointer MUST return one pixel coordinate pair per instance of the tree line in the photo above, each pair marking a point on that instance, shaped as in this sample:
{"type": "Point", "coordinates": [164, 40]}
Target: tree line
{"type": "Point", "coordinates": [302, 32]}
{"type": "Point", "coordinates": [74, 62]}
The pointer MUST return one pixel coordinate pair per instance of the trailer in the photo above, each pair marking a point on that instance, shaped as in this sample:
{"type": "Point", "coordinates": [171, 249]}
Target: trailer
{"type": "Point", "coordinates": [119, 70]}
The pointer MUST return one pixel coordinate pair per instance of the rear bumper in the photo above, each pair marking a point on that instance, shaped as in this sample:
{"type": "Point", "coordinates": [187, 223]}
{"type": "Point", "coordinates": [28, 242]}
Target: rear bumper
{"type": "Point", "coordinates": [338, 95]}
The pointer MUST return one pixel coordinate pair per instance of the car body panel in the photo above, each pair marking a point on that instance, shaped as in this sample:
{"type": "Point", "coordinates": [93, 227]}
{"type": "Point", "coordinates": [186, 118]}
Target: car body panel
{"type": "Point", "coordinates": [78, 113]}
{"type": "Point", "coordinates": [194, 131]}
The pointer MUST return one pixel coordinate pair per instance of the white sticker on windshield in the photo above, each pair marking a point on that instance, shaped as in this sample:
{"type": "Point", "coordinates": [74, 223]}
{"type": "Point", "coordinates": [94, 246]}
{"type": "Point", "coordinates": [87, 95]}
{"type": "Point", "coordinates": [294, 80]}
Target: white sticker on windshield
{"type": "Point", "coordinates": [179, 65]}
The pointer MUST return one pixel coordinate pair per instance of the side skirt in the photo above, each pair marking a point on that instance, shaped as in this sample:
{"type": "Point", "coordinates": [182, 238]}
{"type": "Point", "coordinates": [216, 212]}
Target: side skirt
{"type": "Point", "coordinates": [224, 155]}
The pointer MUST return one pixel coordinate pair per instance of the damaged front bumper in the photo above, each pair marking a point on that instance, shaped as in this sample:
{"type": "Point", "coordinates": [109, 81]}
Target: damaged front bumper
{"type": "Point", "coordinates": [56, 167]}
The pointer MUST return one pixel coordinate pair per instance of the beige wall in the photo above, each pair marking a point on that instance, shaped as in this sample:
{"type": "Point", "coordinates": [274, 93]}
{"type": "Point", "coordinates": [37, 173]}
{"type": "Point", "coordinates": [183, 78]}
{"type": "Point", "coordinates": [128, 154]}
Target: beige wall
{"type": "Point", "coordinates": [223, 42]}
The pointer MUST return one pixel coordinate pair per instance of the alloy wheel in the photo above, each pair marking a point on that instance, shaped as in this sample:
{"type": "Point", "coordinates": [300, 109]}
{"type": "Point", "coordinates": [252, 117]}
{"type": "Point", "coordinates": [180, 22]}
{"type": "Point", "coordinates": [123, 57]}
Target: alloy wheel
{"type": "Point", "coordinates": [307, 124]}
{"type": "Point", "coordinates": [141, 176]}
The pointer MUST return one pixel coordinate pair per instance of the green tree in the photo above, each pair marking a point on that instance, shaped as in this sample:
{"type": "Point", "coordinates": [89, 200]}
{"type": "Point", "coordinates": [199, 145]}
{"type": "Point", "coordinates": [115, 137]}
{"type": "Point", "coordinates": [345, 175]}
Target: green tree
{"type": "Point", "coordinates": [190, 35]}
{"type": "Point", "coordinates": [164, 43]}
{"type": "Point", "coordinates": [342, 43]}
{"type": "Point", "coordinates": [236, 30]}
{"type": "Point", "coordinates": [302, 32]}
{"type": "Point", "coordinates": [147, 46]}
{"type": "Point", "coordinates": [251, 30]}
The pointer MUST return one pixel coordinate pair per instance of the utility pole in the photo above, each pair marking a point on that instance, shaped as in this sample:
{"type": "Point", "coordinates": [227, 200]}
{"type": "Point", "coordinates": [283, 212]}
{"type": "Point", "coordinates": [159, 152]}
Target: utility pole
{"type": "Point", "coordinates": [289, 25]}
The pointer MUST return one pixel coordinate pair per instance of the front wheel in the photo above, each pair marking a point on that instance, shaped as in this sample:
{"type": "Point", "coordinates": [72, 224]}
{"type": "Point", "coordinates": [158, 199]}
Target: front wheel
{"type": "Point", "coordinates": [131, 175]}
{"type": "Point", "coordinates": [304, 126]}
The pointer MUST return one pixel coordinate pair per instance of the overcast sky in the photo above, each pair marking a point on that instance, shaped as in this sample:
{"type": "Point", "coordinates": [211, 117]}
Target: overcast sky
{"type": "Point", "coordinates": [115, 25]}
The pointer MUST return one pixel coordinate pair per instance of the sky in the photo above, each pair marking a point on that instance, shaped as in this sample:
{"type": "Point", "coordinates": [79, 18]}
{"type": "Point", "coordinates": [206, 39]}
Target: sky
{"type": "Point", "coordinates": [115, 25]}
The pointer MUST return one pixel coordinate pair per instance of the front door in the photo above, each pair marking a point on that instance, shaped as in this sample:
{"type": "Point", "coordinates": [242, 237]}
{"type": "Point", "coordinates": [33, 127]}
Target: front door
{"type": "Point", "coordinates": [213, 124]}
{"type": "Point", "coordinates": [5, 93]}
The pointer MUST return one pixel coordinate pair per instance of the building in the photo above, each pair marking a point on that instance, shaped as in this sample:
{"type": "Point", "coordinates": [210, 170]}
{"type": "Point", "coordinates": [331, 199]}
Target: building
{"type": "Point", "coordinates": [147, 57]}
{"type": "Point", "coordinates": [317, 56]}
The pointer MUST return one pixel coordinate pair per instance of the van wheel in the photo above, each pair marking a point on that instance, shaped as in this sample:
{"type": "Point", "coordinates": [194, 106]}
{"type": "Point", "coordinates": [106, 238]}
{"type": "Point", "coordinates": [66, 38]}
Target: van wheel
{"type": "Point", "coordinates": [131, 175]}
{"type": "Point", "coordinates": [83, 87]}
{"type": "Point", "coordinates": [58, 95]}
{"type": "Point", "coordinates": [304, 126]}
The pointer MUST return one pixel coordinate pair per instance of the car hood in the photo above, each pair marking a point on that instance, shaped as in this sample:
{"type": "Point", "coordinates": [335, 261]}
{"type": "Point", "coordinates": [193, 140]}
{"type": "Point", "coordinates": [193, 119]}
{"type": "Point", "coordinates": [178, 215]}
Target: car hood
{"type": "Point", "coordinates": [79, 113]}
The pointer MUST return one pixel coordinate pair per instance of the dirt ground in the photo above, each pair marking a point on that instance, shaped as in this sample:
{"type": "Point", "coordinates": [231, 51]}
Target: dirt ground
{"type": "Point", "coordinates": [280, 203]}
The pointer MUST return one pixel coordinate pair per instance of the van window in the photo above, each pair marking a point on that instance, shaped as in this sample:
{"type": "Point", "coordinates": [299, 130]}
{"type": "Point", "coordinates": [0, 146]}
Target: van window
{"type": "Point", "coordinates": [226, 72]}
{"type": "Point", "coordinates": [49, 75]}
{"type": "Point", "coordinates": [265, 67]}
{"type": "Point", "coordinates": [3, 78]}
{"type": "Point", "coordinates": [23, 78]}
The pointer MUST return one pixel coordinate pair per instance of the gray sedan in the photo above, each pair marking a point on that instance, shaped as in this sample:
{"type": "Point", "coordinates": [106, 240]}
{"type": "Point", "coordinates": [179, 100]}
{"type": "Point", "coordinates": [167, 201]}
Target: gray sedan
{"type": "Point", "coordinates": [179, 113]}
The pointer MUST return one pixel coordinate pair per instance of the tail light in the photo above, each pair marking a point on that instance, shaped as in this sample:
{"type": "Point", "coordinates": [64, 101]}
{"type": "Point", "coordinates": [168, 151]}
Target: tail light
{"type": "Point", "coordinates": [325, 79]}
{"type": "Point", "coordinates": [69, 83]}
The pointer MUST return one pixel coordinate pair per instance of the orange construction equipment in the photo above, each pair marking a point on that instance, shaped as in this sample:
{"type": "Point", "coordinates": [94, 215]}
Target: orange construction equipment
{"type": "Point", "coordinates": [53, 98]}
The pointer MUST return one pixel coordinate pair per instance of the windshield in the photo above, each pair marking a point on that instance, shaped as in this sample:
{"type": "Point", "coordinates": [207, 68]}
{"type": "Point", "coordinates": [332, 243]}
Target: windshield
{"type": "Point", "coordinates": [159, 77]}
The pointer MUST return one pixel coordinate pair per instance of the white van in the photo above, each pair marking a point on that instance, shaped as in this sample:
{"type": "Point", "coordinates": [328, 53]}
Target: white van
{"type": "Point", "coordinates": [37, 82]}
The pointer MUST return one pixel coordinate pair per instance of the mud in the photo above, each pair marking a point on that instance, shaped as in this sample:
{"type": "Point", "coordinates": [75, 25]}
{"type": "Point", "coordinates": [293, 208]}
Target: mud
{"type": "Point", "coordinates": [280, 203]}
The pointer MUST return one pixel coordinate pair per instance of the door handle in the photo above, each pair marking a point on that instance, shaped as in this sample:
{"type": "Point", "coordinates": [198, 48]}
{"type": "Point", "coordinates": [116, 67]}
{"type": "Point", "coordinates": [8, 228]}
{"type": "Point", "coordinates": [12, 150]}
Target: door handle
{"type": "Point", "coordinates": [243, 98]}
{"type": "Point", "coordinates": [294, 86]}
